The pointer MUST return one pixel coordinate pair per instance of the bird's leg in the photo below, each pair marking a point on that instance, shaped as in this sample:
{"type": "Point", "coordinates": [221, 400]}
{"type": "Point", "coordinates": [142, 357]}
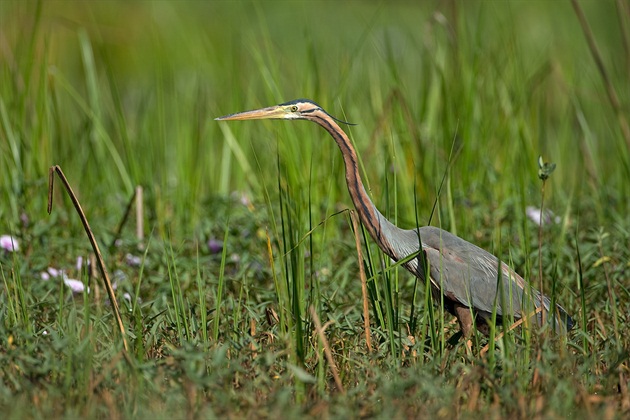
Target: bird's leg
{"type": "Point", "coordinates": [465, 319]}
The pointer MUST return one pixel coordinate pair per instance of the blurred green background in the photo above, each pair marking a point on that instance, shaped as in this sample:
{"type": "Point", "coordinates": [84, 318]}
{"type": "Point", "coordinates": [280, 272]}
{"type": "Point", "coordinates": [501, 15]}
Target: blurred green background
{"type": "Point", "coordinates": [124, 93]}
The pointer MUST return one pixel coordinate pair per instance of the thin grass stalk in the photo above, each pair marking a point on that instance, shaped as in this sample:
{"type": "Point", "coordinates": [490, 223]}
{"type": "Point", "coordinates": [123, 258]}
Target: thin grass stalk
{"type": "Point", "coordinates": [13, 315]}
{"type": "Point", "coordinates": [449, 203]}
{"type": "Point", "coordinates": [140, 343]}
{"type": "Point", "coordinates": [88, 331]}
{"type": "Point", "coordinates": [413, 317]}
{"type": "Point", "coordinates": [388, 315]}
{"type": "Point", "coordinates": [623, 13]}
{"type": "Point", "coordinates": [540, 228]}
{"type": "Point", "coordinates": [493, 317]}
{"type": "Point", "coordinates": [175, 297]}
{"type": "Point", "coordinates": [236, 313]}
{"type": "Point", "coordinates": [91, 87]}
{"type": "Point", "coordinates": [599, 62]}
{"type": "Point", "coordinates": [285, 249]}
{"type": "Point", "coordinates": [580, 279]}
{"type": "Point", "coordinates": [226, 163]}
{"type": "Point", "coordinates": [238, 154]}
{"type": "Point", "coordinates": [281, 292]}
{"type": "Point", "coordinates": [552, 305]}
{"type": "Point", "coordinates": [294, 277]}
{"type": "Point", "coordinates": [19, 288]}
{"type": "Point", "coordinates": [139, 192]}
{"type": "Point", "coordinates": [31, 54]}
{"type": "Point", "coordinates": [140, 275]}
{"type": "Point", "coordinates": [396, 278]}
{"type": "Point", "coordinates": [183, 300]}
{"type": "Point", "coordinates": [435, 335]}
{"type": "Point", "coordinates": [12, 159]}
{"type": "Point", "coordinates": [523, 321]}
{"type": "Point", "coordinates": [101, 264]}
{"type": "Point", "coordinates": [364, 290]}
{"type": "Point", "coordinates": [313, 296]}
{"type": "Point", "coordinates": [612, 298]}
{"type": "Point", "coordinates": [421, 263]}
{"type": "Point", "coordinates": [98, 127]}
{"type": "Point", "coordinates": [217, 310]}
{"type": "Point", "coordinates": [201, 292]}
{"type": "Point", "coordinates": [327, 351]}
{"type": "Point", "coordinates": [390, 312]}
{"type": "Point", "coordinates": [442, 315]}
{"type": "Point", "coordinates": [123, 221]}
{"type": "Point", "coordinates": [371, 280]}
{"type": "Point", "coordinates": [436, 207]}
{"type": "Point", "coordinates": [508, 318]}
{"type": "Point", "coordinates": [545, 170]}
{"type": "Point", "coordinates": [61, 303]}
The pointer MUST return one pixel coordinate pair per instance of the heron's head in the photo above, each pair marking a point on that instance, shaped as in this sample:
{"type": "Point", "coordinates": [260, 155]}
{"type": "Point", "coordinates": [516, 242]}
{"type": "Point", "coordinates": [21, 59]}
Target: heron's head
{"type": "Point", "coordinates": [293, 110]}
{"type": "Point", "coordinates": [303, 109]}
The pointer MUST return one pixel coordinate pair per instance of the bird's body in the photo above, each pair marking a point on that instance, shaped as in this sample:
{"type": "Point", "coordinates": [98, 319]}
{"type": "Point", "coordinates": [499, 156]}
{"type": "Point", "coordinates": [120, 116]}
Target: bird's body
{"type": "Point", "coordinates": [471, 282]}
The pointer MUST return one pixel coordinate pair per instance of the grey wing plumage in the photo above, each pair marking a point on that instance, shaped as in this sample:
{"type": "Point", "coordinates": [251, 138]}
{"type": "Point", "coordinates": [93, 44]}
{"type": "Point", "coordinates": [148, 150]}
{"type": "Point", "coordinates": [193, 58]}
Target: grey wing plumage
{"type": "Point", "coordinates": [470, 275]}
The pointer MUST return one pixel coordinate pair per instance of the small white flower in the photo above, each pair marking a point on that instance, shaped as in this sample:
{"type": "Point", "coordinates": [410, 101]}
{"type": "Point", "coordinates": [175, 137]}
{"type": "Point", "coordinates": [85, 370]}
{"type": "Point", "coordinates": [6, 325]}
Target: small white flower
{"type": "Point", "coordinates": [79, 263]}
{"type": "Point", "coordinates": [50, 273]}
{"type": "Point", "coordinates": [133, 260]}
{"type": "Point", "coordinates": [243, 198]}
{"type": "Point", "coordinates": [76, 286]}
{"type": "Point", "coordinates": [534, 215]}
{"type": "Point", "coordinates": [9, 243]}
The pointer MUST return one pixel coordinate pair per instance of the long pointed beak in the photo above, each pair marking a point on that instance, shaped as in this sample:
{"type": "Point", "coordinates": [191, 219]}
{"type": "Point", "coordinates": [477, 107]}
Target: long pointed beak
{"type": "Point", "coordinates": [275, 112]}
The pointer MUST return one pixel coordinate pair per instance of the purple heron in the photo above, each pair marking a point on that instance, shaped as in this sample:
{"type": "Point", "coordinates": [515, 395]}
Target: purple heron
{"type": "Point", "coordinates": [470, 281]}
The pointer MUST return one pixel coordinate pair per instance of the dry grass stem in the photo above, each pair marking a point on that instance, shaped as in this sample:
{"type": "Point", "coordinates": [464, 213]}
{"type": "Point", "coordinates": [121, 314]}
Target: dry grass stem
{"type": "Point", "coordinates": [514, 325]}
{"type": "Point", "coordinates": [101, 264]}
{"type": "Point", "coordinates": [364, 294]}
{"type": "Point", "coordinates": [327, 352]}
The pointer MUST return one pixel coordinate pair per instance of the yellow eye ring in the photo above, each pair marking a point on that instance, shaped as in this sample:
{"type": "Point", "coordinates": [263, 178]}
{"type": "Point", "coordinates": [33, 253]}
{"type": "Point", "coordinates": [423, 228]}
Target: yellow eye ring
{"type": "Point", "coordinates": [294, 108]}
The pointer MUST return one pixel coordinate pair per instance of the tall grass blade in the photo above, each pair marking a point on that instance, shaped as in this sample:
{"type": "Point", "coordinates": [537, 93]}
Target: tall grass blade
{"type": "Point", "coordinates": [217, 311]}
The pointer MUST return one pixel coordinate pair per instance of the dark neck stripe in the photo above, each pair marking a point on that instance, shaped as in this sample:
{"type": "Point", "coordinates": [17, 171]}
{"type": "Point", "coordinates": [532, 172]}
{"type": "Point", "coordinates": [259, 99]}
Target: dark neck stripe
{"type": "Point", "coordinates": [366, 209]}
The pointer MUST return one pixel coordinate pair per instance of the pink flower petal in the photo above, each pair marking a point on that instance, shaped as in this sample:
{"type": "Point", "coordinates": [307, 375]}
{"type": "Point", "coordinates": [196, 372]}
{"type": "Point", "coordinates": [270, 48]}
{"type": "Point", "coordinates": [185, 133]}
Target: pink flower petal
{"type": "Point", "coordinates": [9, 243]}
{"type": "Point", "coordinates": [77, 286]}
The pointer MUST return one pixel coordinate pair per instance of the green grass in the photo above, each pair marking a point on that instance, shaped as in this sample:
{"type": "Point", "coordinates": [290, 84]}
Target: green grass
{"type": "Point", "coordinates": [454, 102]}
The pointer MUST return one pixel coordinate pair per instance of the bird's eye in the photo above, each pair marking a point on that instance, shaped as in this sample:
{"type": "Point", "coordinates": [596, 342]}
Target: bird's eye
{"type": "Point", "coordinates": [294, 108]}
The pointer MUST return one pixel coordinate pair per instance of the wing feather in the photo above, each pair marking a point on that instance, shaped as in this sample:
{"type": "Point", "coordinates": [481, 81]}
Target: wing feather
{"type": "Point", "coordinates": [471, 275]}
